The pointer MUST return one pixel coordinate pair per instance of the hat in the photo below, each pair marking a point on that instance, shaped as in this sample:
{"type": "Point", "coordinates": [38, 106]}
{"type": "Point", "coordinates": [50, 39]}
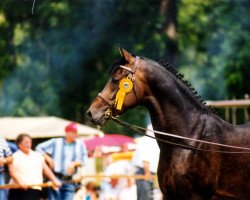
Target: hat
{"type": "Point", "coordinates": [72, 127]}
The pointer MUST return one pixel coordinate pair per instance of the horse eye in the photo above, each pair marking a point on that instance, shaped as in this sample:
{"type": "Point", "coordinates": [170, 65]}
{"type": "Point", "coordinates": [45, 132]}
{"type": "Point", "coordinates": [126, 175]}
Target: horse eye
{"type": "Point", "coordinates": [114, 80]}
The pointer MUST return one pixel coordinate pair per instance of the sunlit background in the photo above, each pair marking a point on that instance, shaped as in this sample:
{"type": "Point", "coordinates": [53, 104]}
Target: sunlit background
{"type": "Point", "coordinates": [55, 54]}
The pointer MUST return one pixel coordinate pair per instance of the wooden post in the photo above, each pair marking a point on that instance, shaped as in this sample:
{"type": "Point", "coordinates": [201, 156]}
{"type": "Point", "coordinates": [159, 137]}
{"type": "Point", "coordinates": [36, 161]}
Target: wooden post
{"type": "Point", "coordinates": [227, 114]}
{"type": "Point", "coordinates": [231, 107]}
{"type": "Point", "coordinates": [234, 120]}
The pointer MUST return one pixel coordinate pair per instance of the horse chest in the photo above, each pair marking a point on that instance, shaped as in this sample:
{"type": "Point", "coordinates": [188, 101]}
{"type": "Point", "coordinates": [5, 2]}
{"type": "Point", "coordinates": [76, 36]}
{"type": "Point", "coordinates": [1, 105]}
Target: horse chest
{"type": "Point", "coordinates": [183, 174]}
{"type": "Point", "coordinates": [181, 163]}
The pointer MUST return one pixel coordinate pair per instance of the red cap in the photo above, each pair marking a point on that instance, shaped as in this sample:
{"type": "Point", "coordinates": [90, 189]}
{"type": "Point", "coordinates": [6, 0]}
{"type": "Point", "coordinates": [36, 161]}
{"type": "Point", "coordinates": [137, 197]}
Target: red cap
{"type": "Point", "coordinates": [72, 127]}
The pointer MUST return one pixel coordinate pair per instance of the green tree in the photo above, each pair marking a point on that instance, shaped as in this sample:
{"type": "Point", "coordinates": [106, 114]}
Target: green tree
{"type": "Point", "coordinates": [56, 60]}
{"type": "Point", "coordinates": [214, 40]}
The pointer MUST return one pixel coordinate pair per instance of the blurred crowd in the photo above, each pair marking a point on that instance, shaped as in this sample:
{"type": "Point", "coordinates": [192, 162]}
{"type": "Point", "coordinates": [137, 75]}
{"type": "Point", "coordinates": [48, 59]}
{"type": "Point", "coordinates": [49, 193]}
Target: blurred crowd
{"type": "Point", "coordinates": [48, 172]}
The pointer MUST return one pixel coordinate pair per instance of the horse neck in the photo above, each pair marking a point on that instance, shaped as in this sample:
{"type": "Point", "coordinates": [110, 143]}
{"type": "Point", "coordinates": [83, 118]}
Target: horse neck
{"type": "Point", "coordinates": [172, 105]}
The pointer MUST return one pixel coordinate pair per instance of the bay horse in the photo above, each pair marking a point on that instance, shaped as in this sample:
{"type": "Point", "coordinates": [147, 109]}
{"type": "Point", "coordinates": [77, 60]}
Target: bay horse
{"type": "Point", "coordinates": [174, 107]}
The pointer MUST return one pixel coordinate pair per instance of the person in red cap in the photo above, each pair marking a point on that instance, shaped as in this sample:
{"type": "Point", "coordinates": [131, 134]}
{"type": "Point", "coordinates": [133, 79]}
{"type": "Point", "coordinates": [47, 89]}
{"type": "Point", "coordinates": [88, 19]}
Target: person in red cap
{"type": "Point", "coordinates": [64, 156]}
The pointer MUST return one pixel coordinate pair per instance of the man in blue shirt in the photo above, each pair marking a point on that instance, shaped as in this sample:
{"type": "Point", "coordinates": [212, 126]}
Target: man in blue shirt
{"type": "Point", "coordinates": [64, 155]}
{"type": "Point", "coordinates": [5, 158]}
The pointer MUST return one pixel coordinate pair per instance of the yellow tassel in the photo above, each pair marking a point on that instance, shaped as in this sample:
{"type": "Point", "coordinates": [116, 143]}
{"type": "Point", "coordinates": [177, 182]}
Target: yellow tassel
{"type": "Point", "coordinates": [119, 99]}
{"type": "Point", "coordinates": [125, 86]}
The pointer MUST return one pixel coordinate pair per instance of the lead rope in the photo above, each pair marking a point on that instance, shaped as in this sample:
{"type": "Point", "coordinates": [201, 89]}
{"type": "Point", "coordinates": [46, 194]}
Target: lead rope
{"type": "Point", "coordinates": [135, 128]}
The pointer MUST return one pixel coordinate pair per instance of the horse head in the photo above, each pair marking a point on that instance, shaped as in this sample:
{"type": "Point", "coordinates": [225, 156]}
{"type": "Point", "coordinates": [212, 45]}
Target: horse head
{"type": "Point", "coordinates": [123, 91]}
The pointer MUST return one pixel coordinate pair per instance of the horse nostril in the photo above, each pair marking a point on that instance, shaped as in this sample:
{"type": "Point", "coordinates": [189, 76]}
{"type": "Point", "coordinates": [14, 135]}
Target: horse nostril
{"type": "Point", "coordinates": [89, 114]}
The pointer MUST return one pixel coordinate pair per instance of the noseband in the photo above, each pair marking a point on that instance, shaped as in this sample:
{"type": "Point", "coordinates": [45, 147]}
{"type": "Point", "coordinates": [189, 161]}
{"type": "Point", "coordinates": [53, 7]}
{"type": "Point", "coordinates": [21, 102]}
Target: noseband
{"type": "Point", "coordinates": [126, 85]}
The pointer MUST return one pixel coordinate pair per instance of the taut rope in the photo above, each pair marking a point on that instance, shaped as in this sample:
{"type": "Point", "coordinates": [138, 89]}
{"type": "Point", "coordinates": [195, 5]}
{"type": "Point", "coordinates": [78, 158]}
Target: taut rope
{"type": "Point", "coordinates": [135, 128]}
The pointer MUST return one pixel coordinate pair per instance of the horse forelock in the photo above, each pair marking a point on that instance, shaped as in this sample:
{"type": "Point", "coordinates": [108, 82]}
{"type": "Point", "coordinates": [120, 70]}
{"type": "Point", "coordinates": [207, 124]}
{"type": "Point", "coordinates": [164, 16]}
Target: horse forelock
{"type": "Point", "coordinates": [115, 66]}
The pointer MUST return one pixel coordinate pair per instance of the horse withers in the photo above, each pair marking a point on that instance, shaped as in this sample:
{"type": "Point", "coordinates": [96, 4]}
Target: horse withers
{"type": "Point", "coordinates": [202, 172]}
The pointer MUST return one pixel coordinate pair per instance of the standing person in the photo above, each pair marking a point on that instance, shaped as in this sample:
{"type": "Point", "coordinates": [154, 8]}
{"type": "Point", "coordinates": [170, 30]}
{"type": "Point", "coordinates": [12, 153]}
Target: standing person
{"type": "Point", "coordinates": [27, 168]}
{"type": "Point", "coordinates": [145, 161]}
{"type": "Point", "coordinates": [64, 155]}
{"type": "Point", "coordinates": [111, 191]}
{"type": "Point", "coordinates": [5, 158]}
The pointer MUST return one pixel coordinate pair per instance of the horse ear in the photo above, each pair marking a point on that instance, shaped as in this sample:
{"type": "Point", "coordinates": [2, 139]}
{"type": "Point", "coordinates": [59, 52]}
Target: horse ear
{"type": "Point", "coordinates": [128, 57]}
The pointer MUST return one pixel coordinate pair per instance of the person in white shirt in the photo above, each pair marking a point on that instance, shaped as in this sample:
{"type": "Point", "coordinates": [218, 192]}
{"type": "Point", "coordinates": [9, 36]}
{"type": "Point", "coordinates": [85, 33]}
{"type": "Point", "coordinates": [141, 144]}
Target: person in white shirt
{"type": "Point", "coordinates": [145, 161]}
{"type": "Point", "coordinates": [111, 191]}
{"type": "Point", "coordinates": [128, 192]}
{"type": "Point", "coordinates": [26, 169]}
{"type": "Point", "coordinates": [119, 188]}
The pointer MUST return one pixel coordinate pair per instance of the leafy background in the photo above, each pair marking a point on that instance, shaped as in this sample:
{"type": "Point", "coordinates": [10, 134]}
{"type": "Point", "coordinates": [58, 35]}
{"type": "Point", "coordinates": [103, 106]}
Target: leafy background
{"type": "Point", "coordinates": [54, 57]}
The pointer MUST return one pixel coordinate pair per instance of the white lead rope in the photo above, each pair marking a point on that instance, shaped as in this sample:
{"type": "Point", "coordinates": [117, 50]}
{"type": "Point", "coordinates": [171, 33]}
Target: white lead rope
{"type": "Point", "coordinates": [192, 139]}
{"type": "Point", "coordinates": [185, 138]}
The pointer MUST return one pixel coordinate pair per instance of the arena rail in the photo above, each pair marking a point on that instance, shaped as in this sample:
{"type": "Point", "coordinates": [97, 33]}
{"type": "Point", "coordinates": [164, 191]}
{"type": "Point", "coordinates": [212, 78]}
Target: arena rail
{"type": "Point", "coordinates": [78, 180]}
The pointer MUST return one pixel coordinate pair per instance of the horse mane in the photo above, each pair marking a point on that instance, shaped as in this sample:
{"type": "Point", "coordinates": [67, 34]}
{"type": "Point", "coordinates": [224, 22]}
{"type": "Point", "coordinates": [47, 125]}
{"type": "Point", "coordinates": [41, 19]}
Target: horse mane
{"type": "Point", "coordinates": [180, 77]}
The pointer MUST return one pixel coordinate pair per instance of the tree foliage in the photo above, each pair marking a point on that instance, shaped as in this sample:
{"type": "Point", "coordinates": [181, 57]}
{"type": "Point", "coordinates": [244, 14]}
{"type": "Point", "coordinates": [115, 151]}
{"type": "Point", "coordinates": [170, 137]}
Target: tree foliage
{"type": "Point", "coordinates": [214, 40]}
{"type": "Point", "coordinates": [56, 60]}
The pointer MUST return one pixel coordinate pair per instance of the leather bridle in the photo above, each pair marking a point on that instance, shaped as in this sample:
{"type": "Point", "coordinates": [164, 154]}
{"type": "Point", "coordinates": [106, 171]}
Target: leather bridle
{"type": "Point", "coordinates": [130, 76]}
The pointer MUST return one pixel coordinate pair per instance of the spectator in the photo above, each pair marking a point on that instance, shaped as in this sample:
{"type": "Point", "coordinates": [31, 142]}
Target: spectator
{"type": "Point", "coordinates": [5, 158]}
{"type": "Point", "coordinates": [145, 160]}
{"type": "Point", "coordinates": [27, 168]}
{"type": "Point", "coordinates": [91, 193]}
{"type": "Point", "coordinates": [128, 192]}
{"type": "Point", "coordinates": [117, 188]}
{"type": "Point", "coordinates": [64, 155]}
{"type": "Point", "coordinates": [112, 190]}
{"type": "Point", "coordinates": [13, 146]}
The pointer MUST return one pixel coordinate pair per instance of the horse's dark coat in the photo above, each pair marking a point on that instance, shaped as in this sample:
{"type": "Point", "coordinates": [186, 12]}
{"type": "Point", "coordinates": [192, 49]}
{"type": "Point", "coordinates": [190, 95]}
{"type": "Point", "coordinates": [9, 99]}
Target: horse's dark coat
{"type": "Point", "coordinates": [174, 108]}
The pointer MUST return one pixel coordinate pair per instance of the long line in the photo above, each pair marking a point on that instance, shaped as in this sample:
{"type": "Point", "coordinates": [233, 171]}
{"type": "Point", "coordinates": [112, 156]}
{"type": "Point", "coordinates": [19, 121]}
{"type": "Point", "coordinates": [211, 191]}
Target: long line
{"type": "Point", "coordinates": [135, 128]}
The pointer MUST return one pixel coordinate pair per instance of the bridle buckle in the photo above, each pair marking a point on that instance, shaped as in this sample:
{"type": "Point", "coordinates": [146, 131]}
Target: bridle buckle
{"type": "Point", "coordinates": [108, 113]}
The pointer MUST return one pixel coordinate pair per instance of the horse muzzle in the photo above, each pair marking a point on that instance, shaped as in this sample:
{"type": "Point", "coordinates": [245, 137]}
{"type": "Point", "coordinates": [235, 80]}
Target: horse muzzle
{"type": "Point", "coordinates": [96, 118]}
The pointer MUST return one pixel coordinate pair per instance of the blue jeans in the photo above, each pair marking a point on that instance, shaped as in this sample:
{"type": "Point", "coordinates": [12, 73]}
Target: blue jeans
{"type": "Point", "coordinates": [66, 192]}
{"type": "Point", "coordinates": [3, 193]}
{"type": "Point", "coordinates": [144, 187]}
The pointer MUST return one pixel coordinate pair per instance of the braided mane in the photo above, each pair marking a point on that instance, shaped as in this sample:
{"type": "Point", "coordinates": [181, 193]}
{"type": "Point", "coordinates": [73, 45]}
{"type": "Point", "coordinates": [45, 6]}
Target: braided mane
{"type": "Point", "coordinates": [180, 77]}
